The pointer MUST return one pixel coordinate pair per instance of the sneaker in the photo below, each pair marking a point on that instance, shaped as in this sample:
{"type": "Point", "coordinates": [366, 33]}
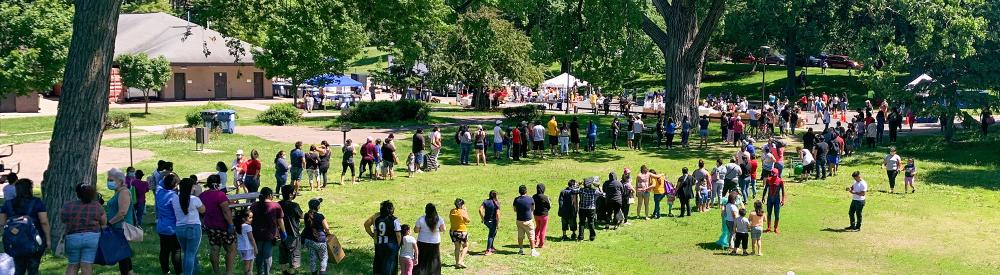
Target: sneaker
{"type": "Point", "coordinates": [520, 251]}
{"type": "Point", "coordinates": [535, 253]}
{"type": "Point", "coordinates": [849, 228]}
{"type": "Point", "coordinates": [488, 252]}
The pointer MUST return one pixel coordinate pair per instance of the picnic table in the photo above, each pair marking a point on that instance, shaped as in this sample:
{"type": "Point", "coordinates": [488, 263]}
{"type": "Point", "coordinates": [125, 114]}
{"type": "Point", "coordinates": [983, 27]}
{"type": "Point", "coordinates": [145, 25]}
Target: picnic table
{"type": "Point", "coordinates": [248, 199]}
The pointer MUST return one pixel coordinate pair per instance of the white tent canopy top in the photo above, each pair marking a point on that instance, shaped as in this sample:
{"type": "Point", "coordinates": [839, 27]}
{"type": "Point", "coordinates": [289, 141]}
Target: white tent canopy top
{"type": "Point", "coordinates": [564, 80]}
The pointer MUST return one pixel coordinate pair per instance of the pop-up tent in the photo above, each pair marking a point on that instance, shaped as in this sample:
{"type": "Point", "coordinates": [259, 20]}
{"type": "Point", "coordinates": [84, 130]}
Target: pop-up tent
{"type": "Point", "coordinates": [328, 81]}
{"type": "Point", "coordinates": [564, 80]}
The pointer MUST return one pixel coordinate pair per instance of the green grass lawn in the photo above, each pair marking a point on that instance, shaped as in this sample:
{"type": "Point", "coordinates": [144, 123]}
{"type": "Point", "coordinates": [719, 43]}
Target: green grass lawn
{"type": "Point", "coordinates": [946, 227]}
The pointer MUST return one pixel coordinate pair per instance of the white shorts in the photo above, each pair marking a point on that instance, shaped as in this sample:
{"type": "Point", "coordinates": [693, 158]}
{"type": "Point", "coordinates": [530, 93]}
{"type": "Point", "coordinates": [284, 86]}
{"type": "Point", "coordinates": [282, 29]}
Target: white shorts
{"type": "Point", "coordinates": [247, 255]}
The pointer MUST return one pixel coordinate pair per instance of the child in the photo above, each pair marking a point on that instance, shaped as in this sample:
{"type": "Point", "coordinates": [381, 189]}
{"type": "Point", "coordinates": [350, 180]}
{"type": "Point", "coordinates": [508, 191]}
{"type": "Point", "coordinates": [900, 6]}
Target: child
{"type": "Point", "coordinates": [377, 168]}
{"type": "Point", "coordinates": [757, 219]}
{"type": "Point", "coordinates": [671, 195]}
{"type": "Point", "coordinates": [703, 197]}
{"type": "Point", "coordinates": [742, 226]}
{"type": "Point", "coordinates": [408, 251]}
{"type": "Point", "coordinates": [244, 240]}
{"type": "Point", "coordinates": [411, 165]}
{"type": "Point", "coordinates": [909, 171]}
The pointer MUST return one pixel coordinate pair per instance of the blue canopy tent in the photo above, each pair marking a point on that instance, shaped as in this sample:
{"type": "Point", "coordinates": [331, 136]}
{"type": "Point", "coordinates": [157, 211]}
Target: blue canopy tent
{"type": "Point", "coordinates": [329, 80]}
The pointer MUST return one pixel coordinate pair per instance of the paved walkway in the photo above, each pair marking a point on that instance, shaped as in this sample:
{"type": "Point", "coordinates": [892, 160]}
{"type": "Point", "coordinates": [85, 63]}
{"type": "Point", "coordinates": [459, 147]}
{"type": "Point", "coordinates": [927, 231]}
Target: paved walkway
{"type": "Point", "coordinates": [34, 158]}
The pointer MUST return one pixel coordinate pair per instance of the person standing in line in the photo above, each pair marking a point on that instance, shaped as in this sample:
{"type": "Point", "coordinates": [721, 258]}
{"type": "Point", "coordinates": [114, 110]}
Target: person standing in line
{"type": "Point", "coordinates": [459, 232]}
{"type": "Point", "coordinates": [84, 219]}
{"type": "Point", "coordinates": [187, 208]}
{"type": "Point", "coordinates": [658, 129]}
{"type": "Point", "coordinates": [119, 210]}
{"type": "Point", "coordinates": [315, 231]}
{"type": "Point", "coordinates": [166, 224]}
{"type": "Point", "coordinates": [218, 225]}
{"type": "Point", "coordinates": [418, 149]}
{"type": "Point", "coordinates": [880, 119]}
{"type": "Point", "coordinates": [807, 163]}
{"type": "Point", "coordinates": [685, 132]}
{"type": "Point", "coordinates": [671, 131]}
{"type": "Point", "coordinates": [628, 194]}
{"type": "Point", "coordinates": [267, 228]}
{"type": "Point", "coordinates": [822, 151]}
{"type": "Point", "coordinates": [614, 193]}
{"type": "Point", "coordinates": [892, 163]}
{"type": "Point", "coordinates": [658, 186]}
{"type": "Point", "coordinates": [637, 128]}
{"type": "Point", "coordinates": [324, 162]}
{"type": "Point", "coordinates": [538, 139]}
{"type": "Point", "coordinates": [251, 175]}
{"type": "Point", "coordinates": [377, 163]}
{"type": "Point", "coordinates": [642, 189]}
{"type": "Point", "coordinates": [25, 204]}
{"type": "Point", "coordinates": [524, 206]}
{"type": "Point", "coordinates": [390, 158]}
{"type": "Point", "coordinates": [435, 148]}
{"type": "Point", "coordinates": [367, 160]}
{"type": "Point", "coordinates": [756, 227]}
{"type": "Point", "coordinates": [733, 173]}
{"type": "Point", "coordinates": [615, 129]}
{"type": "Point", "coordinates": [553, 134]}
{"type": "Point", "coordinates": [237, 168]}
{"type": "Point", "coordinates": [703, 131]}
{"type": "Point", "coordinates": [574, 135]}
{"type": "Point", "coordinates": [742, 229]}
{"type": "Point", "coordinates": [464, 140]}
{"type": "Point", "coordinates": [347, 161]}
{"type": "Point", "coordinates": [730, 213]}
{"type": "Point", "coordinates": [685, 191]}
{"type": "Point", "coordinates": [858, 191]}
{"type": "Point", "coordinates": [489, 213]}
{"type": "Point", "coordinates": [408, 251]}
{"type": "Point", "coordinates": [297, 161]}
{"type": "Point", "coordinates": [245, 243]}
{"type": "Point", "coordinates": [588, 209]}
{"type": "Point", "coordinates": [290, 250]}
{"type": "Point", "coordinates": [591, 136]}
{"type": "Point", "coordinates": [133, 179]}
{"type": "Point", "coordinates": [910, 171]}
{"type": "Point", "coordinates": [718, 180]}
{"type": "Point", "coordinates": [480, 140]}
{"type": "Point", "coordinates": [429, 228]}
{"type": "Point", "coordinates": [525, 138]}
{"type": "Point", "coordinates": [541, 213]}
{"type": "Point", "coordinates": [774, 196]}
{"type": "Point", "coordinates": [280, 170]}
{"type": "Point", "coordinates": [312, 168]}
{"type": "Point", "coordinates": [384, 228]}
{"type": "Point", "coordinates": [564, 139]}
{"type": "Point", "coordinates": [568, 208]}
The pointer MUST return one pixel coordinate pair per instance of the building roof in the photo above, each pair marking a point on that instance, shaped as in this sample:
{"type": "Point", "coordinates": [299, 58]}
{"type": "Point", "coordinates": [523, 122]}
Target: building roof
{"type": "Point", "coordinates": [162, 34]}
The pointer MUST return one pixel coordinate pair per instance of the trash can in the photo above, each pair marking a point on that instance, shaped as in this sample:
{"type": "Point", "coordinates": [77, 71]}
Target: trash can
{"type": "Point", "coordinates": [209, 117]}
{"type": "Point", "coordinates": [227, 120]}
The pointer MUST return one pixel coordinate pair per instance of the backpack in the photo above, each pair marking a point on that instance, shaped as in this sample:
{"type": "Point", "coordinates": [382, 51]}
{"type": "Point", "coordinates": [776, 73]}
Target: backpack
{"type": "Point", "coordinates": [20, 236]}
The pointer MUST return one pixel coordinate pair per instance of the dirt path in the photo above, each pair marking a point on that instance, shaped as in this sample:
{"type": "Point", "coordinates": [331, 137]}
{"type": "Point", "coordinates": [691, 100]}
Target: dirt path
{"type": "Point", "coordinates": [34, 158]}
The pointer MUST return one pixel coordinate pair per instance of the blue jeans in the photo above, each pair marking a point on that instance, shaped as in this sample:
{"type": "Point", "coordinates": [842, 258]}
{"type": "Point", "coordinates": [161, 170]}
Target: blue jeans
{"type": "Point", "coordinates": [591, 142]}
{"type": "Point", "coordinates": [656, 204]}
{"type": "Point", "coordinates": [717, 192]}
{"type": "Point", "coordinates": [466, 148]}
{"type": "Point", "coordinates": [189, 235]}
{"type": "Point", "coordinates": [262, 262]}
{"type": "Point", "coordinates": [418, 159]}
{"type": "Point", "coordinates": [386, 256]}
{"type": "Point", "coordinates": [781, 168]}
{"type": "Point", "coordinates": [746, 185]}
{"type": "Point", "coordinates": [251, 183]}
{"type": "Point", "coordinates": [281, 179]}
{"type": "Point", "coordinates": [82, 247]}
{"type": "Point", "coordinates": [140, 210]}
{"type": "Point", "coordinates": [492, 227]}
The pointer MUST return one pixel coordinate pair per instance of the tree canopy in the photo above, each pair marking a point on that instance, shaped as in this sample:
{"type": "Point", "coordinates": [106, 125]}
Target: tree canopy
{"type": "Point", "coordinates": [142, 72]}
{"type": "Point", "coordinates": [34, 44]}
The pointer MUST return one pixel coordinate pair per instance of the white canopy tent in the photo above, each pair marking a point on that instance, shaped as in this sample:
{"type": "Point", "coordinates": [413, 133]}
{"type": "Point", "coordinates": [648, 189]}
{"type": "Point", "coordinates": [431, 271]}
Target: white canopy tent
{"type": "Point", "coordinates": [564, 81]}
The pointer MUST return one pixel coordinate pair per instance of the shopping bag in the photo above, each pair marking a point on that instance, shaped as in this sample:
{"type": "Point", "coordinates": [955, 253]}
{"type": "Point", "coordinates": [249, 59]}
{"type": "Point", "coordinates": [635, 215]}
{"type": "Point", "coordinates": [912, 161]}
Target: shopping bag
{"type": "Point", "coordinates": [334, 249]}
{"type": "Point", "coordinates": [112, 247]}
{"type": "Point", "coordinates": [132, 233]}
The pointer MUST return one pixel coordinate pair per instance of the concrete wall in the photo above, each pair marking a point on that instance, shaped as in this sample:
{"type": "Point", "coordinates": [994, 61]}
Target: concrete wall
{"type": "Point", "coordinates": [19, 104]}
{"type": "Point", "coordinates": [200, 82]}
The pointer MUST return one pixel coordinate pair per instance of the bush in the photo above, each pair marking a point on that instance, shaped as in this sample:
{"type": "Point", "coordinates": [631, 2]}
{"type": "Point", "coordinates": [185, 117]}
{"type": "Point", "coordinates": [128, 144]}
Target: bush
{"type": "Point", "coordinates": [193, 117]}
{"type": "Point", "coordinates": [530, 112]}
{"type": "Point", "coordinates": [116, 120]}
{"type": "Point", "coordinates": [280, 114]}
{"type": "Point", "coordinates": [188, 133]}
{"type": "Point", "coordinates": [386, 111]}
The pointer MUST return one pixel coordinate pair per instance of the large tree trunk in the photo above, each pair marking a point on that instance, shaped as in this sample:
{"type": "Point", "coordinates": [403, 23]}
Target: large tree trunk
{"type": "Point", "coordinates": [683, 45]}
{"type": "Point", "coordinates": [76, 138]}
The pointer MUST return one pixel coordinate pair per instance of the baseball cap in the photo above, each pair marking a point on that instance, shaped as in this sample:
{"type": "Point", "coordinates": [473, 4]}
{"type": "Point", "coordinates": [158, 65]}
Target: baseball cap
{"type": "Point", "coordinates": [239, 152]}
{"type": "Point", "coordinates": [314, 203]}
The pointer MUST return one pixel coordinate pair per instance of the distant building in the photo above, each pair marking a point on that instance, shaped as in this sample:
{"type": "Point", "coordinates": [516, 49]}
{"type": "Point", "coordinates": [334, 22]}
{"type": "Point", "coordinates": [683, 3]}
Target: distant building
{"type": "Point", "coordinates": [200, 59]}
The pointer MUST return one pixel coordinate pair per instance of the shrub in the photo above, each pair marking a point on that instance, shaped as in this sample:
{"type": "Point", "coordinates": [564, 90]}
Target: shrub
{"type": "Point", "coordinates": [280, 114]}
{"type": "Point", "coordinates": [193, 117]}
{"type": "Point", "coordinates": [530, 112]}
{"type": "Point", "coordinates": [116, 120]}
{"type": "Point", "coordinates": [387, 111]}
{"type": "Point", "coordinates": [188, 133]}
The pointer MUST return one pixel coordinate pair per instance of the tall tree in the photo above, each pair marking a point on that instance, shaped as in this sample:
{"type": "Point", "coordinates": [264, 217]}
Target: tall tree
{"type": "Point", "coordinates": [144, 73]}
{"type": "Point", "coordinates": [34, 39]}
{"type": "Point", "coordinates": [76, 137]}
{"type": "Point", "coordinates": [683, 41]}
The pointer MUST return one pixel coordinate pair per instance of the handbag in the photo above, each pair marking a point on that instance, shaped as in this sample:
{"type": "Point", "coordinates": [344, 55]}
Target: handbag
{"type": "Point", "coordinates": [112, 247]}
{"type": "Point", "coordinates": [132, 233]}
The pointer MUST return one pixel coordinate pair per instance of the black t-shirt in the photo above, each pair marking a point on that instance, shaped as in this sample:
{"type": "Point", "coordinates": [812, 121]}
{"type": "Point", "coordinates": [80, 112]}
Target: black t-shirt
{"type": "Point", "coordinates": [703, 124]}
{"type": "Point", "coordinates": [522, 206]}
{"type": "Point", "coordinates": [312, 160]}
{"type": "Point", "coordinates": [388, 152]}
{"type": "Point", "coordinates": [324, 159]}
{"type": "Point", "coordinates": [542, 204]}
{"type": "Point", "coordinates": [292, 217]}
{"type": "Point", "coordinates": [822, 149]}
{"type": "Point", "coordinates": [418, 143]}
{"type": "Point", "coordinates": [809, 139]}
{"type": "Point", "coordinates": [574, 129]}
{"type": "Point", "coordinates": [313, 228]}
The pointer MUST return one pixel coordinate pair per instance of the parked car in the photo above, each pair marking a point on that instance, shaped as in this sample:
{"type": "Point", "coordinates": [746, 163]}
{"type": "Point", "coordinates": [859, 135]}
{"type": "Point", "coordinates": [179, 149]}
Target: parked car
{"type": "Point", "coordinates": [748, 59]}
{"type": "Point", "coordinates": [134, 94]}
{"type": "Point", "coordinates": [842, 62]}
{"type": "Point", "coordinates": [774, 59]}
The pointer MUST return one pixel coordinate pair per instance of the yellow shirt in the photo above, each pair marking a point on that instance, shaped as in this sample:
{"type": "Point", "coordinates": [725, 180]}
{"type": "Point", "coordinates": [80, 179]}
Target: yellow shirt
{"type": "Point", "coordinates": [459, 220]}
{"type": "Point", "coordinates": [553, 128]}
{"type": "Point", "coordinates": [658, 187]}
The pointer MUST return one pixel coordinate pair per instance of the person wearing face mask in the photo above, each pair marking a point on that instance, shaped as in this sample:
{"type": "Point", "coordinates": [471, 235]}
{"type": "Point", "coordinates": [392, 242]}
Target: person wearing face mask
{"type": "Point", "coordinates": [120, 210]}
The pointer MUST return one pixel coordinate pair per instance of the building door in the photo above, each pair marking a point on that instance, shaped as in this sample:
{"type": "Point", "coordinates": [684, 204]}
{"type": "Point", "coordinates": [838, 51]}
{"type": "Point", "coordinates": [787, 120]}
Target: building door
{"type": "Point", "coordinates": [220, 86]}
{"type": "Point", "coordinates": [258, 84]}
{"type": "Point", "coordinates": [180, 86]}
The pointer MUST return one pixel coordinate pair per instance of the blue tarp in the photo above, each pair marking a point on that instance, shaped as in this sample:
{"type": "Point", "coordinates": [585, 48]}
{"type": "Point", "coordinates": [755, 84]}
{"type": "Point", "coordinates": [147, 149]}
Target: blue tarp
{"type": "Point", "coordinates": [329, 80]}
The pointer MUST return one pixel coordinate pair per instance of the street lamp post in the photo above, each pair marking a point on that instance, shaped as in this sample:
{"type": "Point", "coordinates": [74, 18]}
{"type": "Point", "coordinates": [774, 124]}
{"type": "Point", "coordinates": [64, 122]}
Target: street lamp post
{"type": "Point", "coordinates": [763, 77]}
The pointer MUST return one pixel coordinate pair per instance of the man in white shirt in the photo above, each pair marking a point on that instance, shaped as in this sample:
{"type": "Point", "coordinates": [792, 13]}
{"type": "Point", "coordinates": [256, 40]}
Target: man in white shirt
{"type": "Point", "coordinates": [435, 146]}
{"type": "Point", "coordinates": [497, 140]}
{"type": "Point", "coordinates": [807, 163]}
{"type": "Point", "coordinates": [637, 131]}
{"type": "Point", "coordinates": [858, 191]}
{"type": "Point", "coordinates": [538, 138]}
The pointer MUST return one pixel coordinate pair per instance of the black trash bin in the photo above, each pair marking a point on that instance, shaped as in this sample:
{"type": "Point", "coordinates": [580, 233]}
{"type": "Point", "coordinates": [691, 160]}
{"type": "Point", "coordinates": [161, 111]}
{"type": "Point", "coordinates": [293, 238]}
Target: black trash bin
{"type": "Point", "coordinates": [209, 117]}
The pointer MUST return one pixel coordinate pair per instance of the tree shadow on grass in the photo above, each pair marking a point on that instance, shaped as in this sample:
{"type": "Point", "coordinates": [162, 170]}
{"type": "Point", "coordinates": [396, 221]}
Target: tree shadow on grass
{"type": "Point", "coordinates": [834, 230]}
{"type": "Point", "coordinates": [709, 246]}
{"type": "Point", "coordinates": [979, 177]}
